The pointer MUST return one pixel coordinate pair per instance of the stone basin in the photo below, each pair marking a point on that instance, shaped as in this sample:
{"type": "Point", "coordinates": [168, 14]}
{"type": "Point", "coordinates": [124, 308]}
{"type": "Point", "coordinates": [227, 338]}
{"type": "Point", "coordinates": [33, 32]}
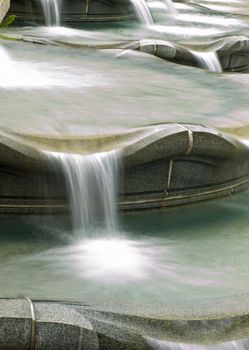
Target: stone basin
{"type": "Point", "coordinates": [164, 165]}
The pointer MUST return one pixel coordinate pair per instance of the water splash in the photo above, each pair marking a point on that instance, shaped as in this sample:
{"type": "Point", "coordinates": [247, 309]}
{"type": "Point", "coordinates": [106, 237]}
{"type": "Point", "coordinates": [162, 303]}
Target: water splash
{"type": "Point", "coordinates": [143, 12]}
{"type": "Point", "coordinates": [165, 345]}
{"type": "Point", "coordinates": [92, 182]}
{"type": "Point", "coordinates": [51, 11]}
{"type": "Point", "coordinates": [208, 60]}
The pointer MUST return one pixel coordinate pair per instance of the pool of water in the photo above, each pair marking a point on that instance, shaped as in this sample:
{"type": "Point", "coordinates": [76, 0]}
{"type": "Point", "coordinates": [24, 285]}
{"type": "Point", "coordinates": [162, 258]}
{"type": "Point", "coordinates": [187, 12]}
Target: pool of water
{"type": "Point", "coordinates": [86, 89]}
{"type": "Point", "coordinates": [75, 92]}
{"type": "Point", "coordinates": [155, 258]}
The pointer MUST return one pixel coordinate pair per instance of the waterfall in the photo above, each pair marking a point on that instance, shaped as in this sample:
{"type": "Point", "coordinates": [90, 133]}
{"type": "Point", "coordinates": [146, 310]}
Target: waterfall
{"type": "Point", "coordinates": [92, 182]}
{"type": "Point", "coordinates": [51, 10]}
{"type": "Point", "coordinates": [143, 12]}
{"type": "Point", "coordinates": [208, 60]}
{"type": "Point", "coordinates": [170, 7]}
{"type": "Point", "coordinates": [165, 345]}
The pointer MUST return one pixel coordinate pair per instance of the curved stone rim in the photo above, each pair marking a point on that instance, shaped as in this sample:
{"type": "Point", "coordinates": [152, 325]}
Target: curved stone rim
{"type": "Point", "coordinates": [198, 323]}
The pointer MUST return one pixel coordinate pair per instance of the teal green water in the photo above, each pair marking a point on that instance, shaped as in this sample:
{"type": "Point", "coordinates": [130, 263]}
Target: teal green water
{"type": "Point", "coordinates": [197, 253]}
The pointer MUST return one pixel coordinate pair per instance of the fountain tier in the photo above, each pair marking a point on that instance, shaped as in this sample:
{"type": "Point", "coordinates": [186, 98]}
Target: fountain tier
{"type": "Point", "coordinates": [164, 165]}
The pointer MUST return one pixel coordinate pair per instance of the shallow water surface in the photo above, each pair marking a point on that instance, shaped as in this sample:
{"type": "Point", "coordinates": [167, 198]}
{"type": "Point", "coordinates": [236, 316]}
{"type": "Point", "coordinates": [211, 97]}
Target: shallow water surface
{"type": "Point", "coordinates": [88, 87]}
{"type": "Point", "coordinates": [88, 92]}
{"type": "Point", "coordinates": [156, 258]}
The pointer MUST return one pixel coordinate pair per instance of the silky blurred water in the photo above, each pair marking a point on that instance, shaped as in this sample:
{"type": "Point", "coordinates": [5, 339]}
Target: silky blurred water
{"type": "Point", "coordinates": [154, 258]}
{"type": "Point", "coordinates": [87, 90]}
{"type": "Point", "coordinates": [89, 93]}
{"type": "Point", "coordinates": [76, 83]}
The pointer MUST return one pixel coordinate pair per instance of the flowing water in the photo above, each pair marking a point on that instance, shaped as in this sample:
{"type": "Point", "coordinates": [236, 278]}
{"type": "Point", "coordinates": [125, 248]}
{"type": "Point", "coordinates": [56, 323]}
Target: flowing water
{"type": "Point", "coordinates": [170, 7]}
{"type": "Point", "coordinates": [151, 259]}
{"type": "Point", "coordinates": [71, 88]}
{"type": "Point", "coordinates": [87, 94]}
{"type": "Point", "coordinates": [92, 182]}
{"type": "Point", "coordinates": [52, 12]}
{"type": "Point", "coordinates": [143, 12]}
{"type": "Point", "coordinates": [29, 75]}
{"type": "Point", "coordinates": [233, 345]}
{"type": "Point", "coordinates": [208, 60]}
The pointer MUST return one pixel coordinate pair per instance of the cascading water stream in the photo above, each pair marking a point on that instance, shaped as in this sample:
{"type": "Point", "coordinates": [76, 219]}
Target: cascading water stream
{"type": "Point", "coordinates": [208, 60]}
{"type": "Point", "coordinates": [92, 182]}
{"type": "Point", "coordinates": [143, 12]}
{"type": "Point", "coordinates": [231, 345]}
{"type": "Point", "coordinates": [52, 12]}
{"type": "Point", "coordinates": [170, 7]}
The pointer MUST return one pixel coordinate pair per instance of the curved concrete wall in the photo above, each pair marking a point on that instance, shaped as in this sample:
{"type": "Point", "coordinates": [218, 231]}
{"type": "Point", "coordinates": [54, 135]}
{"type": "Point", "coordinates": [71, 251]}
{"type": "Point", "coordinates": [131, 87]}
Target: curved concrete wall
{"type": "Point", "coordinates": [164, 165]}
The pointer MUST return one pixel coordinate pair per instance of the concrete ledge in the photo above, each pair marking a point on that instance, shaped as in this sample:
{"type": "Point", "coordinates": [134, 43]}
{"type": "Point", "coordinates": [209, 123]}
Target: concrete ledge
{"type": "Point", "coordinates": [64, 325]}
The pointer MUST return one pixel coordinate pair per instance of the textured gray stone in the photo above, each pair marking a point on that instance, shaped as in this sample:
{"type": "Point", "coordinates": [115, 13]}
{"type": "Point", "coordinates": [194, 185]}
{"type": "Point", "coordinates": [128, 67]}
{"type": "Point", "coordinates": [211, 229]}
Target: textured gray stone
{"type": "Point", "coordinates": [4, 7]}
{"type": "Point", "coordinates": [65, 325]}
